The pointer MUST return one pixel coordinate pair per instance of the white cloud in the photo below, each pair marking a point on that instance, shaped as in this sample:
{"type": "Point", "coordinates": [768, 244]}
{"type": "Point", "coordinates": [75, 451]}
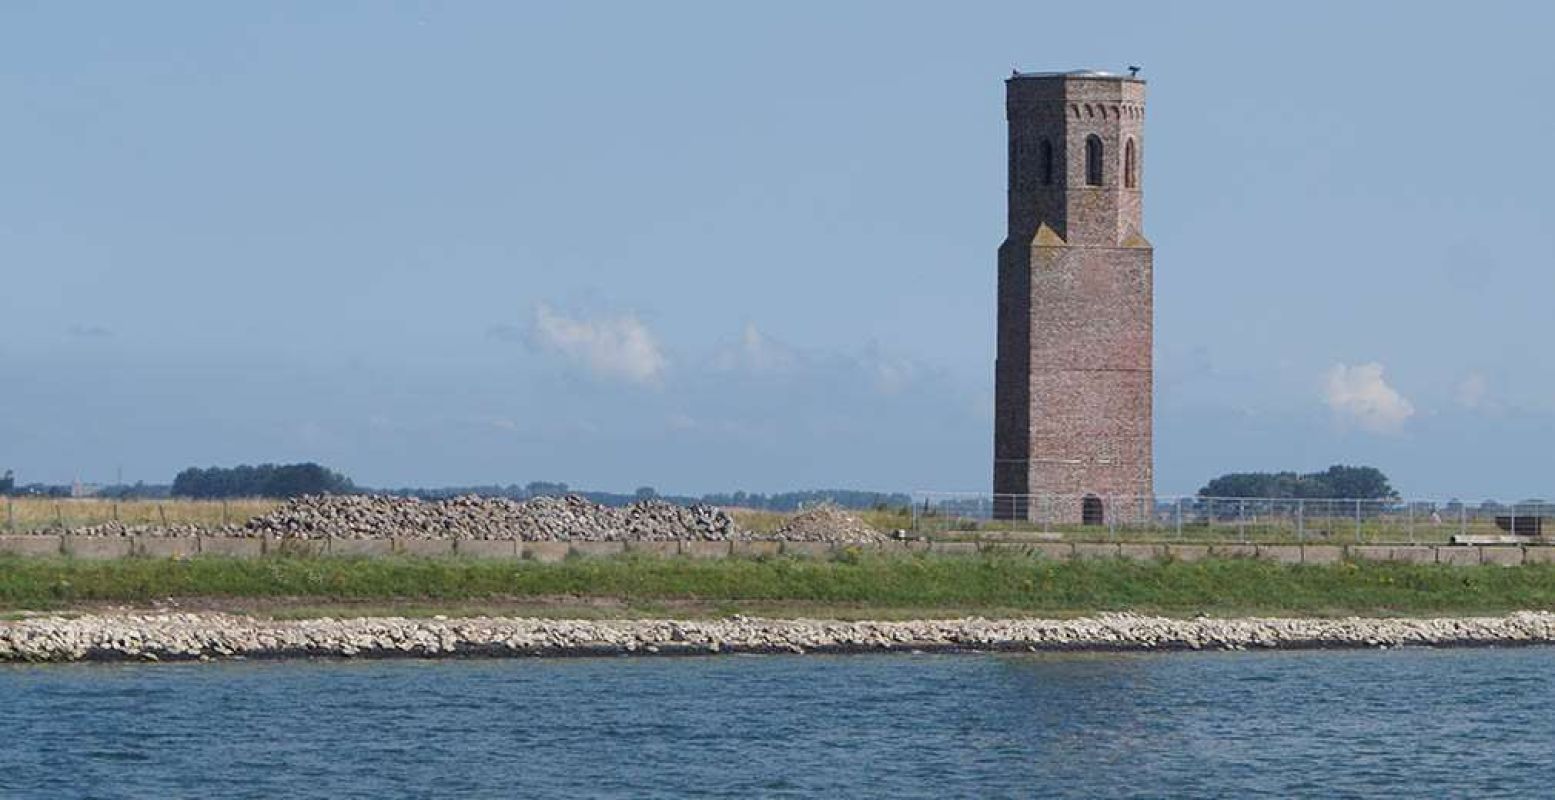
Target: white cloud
{"type": "Point", "coordinates": [1473, 392]}
{"type": "Point", "coordinates": [1359, 394]}
{"type": "Point", "coordinates": [617, 348]}
{"type": "Point", "coordinates": [892, 374]}
{"type": "Point", "coordinates": [756, 353]}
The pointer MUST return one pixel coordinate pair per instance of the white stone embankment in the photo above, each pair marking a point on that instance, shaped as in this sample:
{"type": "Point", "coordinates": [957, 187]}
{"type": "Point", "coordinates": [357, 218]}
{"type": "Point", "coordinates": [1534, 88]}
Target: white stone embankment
{"type": "Point", "coordinates": [199, 636]}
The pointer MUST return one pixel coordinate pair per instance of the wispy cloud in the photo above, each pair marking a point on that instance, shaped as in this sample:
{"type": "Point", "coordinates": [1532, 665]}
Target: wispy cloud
{"type": "Point", "coordinates": [89, 331]}
{"type": "Point", "coordinates": [1361, 396]}
{"type": "Point", "coordinates": [1473, 392]}
{"type": "Point", "coordinates": [612, 347]}
{"type": "Point", "coordinates": [756, 353]}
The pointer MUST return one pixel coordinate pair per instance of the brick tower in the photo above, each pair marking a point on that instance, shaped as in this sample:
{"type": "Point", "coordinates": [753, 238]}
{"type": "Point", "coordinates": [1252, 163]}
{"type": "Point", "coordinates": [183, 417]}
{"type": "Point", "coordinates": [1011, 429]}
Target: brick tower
{"type": "Point", "coordinates": [1072, 380]}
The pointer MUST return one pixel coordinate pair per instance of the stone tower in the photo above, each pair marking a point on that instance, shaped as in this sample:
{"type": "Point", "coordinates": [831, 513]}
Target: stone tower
{"type": "Point", "coordinates": [1073, 373]}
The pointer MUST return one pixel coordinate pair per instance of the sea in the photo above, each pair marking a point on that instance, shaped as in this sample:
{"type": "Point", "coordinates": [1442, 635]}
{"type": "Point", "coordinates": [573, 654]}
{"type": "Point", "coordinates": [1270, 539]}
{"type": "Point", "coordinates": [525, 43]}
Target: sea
{"type": "Point", "coordinates": [1473, 723]}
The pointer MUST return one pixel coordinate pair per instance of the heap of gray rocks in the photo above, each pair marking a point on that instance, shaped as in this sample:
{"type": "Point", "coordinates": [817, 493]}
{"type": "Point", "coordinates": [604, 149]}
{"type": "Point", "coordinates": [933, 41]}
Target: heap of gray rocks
{"type": "Point", "coordinates": [139, 529]}
{"type": "Point", "coordinates": [541, 519]}
{"type": "Point", "coordinates": [186, 636]}
{"type": "Point", "coordinates": [827, 522]}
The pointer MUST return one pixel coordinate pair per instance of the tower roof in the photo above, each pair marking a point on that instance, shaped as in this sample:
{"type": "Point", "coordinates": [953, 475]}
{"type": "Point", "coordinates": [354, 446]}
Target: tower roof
{"type": "Point", "coordinates": [1077, 74]}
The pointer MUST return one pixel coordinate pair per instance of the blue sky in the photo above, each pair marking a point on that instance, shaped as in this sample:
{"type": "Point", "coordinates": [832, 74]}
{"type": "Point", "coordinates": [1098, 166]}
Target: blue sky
{"type": "Point", "coordinates": [712, 246]}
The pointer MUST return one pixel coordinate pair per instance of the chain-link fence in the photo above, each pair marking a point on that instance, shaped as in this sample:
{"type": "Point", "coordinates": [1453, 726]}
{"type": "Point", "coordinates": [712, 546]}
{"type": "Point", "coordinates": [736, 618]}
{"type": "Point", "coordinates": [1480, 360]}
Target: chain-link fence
{"type": "Point", "coordinates": [1242, 519]}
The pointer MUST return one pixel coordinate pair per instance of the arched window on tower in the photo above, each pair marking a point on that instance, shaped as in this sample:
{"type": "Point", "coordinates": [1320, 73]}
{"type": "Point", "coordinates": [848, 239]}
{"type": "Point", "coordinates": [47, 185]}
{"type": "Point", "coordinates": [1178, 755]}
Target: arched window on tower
{"type": "Point", "coordinates": [1045, 153]}
{"type": "Point", "coordinates": [1130, 164]}
{"type": "Point", "coordinates": [1093, 157]}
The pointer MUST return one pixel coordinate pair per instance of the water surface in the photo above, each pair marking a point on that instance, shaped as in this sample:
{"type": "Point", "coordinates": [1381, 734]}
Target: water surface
{"type": "Point", "coordinates": [1438, 723]}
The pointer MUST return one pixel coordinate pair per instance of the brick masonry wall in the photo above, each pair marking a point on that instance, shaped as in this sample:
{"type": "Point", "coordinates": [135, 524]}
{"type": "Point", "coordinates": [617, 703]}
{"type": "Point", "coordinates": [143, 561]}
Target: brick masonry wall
{"type": "Point", "coordinates": [1073, 385]}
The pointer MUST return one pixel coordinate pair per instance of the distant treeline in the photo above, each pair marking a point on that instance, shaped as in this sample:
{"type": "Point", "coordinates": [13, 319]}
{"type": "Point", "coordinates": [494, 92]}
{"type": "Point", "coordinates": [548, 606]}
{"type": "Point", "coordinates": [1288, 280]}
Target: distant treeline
{"type": "Point", "coordinates": [1336, 482]}
{"type": "Point", "coordinates": [265, 480]}
{"type": "Point", "coordinates": [292, 480]}
{"type": "Point", "coordinates": [783, 501]}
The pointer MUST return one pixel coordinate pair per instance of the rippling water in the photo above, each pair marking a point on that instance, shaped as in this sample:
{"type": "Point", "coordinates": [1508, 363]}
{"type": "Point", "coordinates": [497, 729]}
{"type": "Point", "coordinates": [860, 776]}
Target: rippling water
{"type": "Point", "coordinates": [1414, 723]}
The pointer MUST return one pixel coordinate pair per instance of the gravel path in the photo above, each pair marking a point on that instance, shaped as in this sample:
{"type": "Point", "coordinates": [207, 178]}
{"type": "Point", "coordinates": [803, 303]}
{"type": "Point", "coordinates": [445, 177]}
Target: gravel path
{"type": "Point", "coordinates": [198, 636]}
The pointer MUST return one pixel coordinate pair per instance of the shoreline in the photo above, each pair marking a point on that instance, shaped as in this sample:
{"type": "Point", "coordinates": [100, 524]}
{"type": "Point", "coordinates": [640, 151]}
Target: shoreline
{"type": "Point", "coordinates": [217, 636]}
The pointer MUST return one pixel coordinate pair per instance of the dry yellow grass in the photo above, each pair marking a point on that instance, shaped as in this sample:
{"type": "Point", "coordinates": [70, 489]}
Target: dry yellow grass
{"type": "Point", "coordinates": [34, 513]}
{"type": "Point", "coordinates": [764, 522]}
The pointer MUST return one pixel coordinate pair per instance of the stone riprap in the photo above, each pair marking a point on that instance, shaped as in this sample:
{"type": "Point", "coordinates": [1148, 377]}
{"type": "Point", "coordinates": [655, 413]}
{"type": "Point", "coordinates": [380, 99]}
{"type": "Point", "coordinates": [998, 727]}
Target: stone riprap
{"type": "Point", "coordinates": [190, 636]}
{"type": "Point", "coordinates": [540, 519]}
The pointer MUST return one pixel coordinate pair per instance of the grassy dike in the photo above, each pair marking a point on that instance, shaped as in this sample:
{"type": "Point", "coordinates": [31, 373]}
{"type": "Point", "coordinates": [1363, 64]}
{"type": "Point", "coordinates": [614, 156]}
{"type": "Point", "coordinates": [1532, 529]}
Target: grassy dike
{"type": "Point", "coordinates": [852, 586]}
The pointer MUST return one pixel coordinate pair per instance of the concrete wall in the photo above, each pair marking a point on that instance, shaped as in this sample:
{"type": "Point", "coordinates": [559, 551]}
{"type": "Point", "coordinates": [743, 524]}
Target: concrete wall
{"type": "Point", "coordinates": [104, 547]}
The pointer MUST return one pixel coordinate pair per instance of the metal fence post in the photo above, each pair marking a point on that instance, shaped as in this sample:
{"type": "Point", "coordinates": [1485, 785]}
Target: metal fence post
{"type": "Point", "coordinates": [1179, 518]}
{"type": "Point", "coordinates": [1301, 520]}
{"type": "Point", "coordinates": [1463, 519]}
{"type": "Point", "coordinates": [1357, 520]}
{"type": "Point", "coordinates": [1241, 520]}
{"type": "Point", "coordinates": [1411, 507]}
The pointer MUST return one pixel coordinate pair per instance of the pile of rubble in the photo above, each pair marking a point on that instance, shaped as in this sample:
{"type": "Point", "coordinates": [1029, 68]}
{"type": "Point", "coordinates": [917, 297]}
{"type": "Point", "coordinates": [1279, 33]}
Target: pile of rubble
{"type": "Point", "coordinates": [828, 523]}
{"type": "Point", "coordinates": [115, 528]}
{"type": "Point", "coordinates": [165, 637]}
{"type": "Point", "coordinates": [540, 519]}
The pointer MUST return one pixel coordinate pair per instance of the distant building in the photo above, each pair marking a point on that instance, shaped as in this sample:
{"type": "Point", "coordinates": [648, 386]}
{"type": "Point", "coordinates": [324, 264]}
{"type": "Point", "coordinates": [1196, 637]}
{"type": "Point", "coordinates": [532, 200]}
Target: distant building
{"type": "Point", "coordinates": [1073, 371]}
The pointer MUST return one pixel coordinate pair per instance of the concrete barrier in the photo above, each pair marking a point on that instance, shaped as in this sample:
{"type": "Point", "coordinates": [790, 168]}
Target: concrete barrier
{"type": "Point", "coordinates": [1084, 550]}
{"type": "Point", "coordinates": [1053, 551]}
{"type": "Point", "coordinates": [808, 549]}
{"type": "Point", "coordinates": [1505, 555]}
{"type": "Point", "coordinates": [295, 548]}
{"type": "Point", "coordinates": [361, 548]}
{"type": "Point", "coordinates": [1369, 552]}
{"type": "Point", "coordinates": [596, 549]}
{"type": "Point", "coordinates": [98, 547]}
{"type": "Point", "coordinates": [1538, 554]}
{"type": "Point", "coordinates": [656, 549]}
{"type": "Point", "coordinates": [1233, 550]}
{"type": "Point", "coordinates": [24, 545]}
{"type": "Point", "coordinates": [1137, 551]}
{"type": "Point", "coordinates": [1461, 554]}
{"type": "Point", "coordinates": [231, 547]}
{"type": "Point", "coordinates": [424, 548]}
{"type": "Point", "coordinates": [167, 547]}
{"type": "Point", "coordinates": [486, 548]}
{"type": "Point", "coordinates": [1281, 553]}
{"type": "Point", "coordinates": [755, 549]}
{"type": "Point", "coordinates": [1322, 553]}
{"type": "Point", "coordinates": [1058, 551]}
{"type": "Point", "coordinates": [1413, 554]}
{"type": "Point", "coordinates": [1187, 552]}
{"type": "Point", "coordinates": [544, 552]}
{"type": "Point", "coordinates": [705, 549]}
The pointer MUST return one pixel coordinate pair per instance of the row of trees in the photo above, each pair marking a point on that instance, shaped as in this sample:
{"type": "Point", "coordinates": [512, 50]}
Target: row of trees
{"type": "Point", "coordinates": [782, 501]}
{"type": "Point", "coordinates": [265, 480]}
{"type": "Point", "coordinates": [1336, 482]}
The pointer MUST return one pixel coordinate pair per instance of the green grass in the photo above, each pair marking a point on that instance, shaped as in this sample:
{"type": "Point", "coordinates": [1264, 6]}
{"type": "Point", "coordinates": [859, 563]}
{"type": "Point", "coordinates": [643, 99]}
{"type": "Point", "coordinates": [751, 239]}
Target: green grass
{"type": "Point", "coordinates": [853, 586]}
